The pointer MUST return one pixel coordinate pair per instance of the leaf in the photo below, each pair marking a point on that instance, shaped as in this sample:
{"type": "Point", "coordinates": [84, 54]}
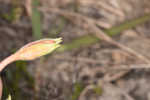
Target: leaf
{"type": "Point", "coordinates": [78, 88]}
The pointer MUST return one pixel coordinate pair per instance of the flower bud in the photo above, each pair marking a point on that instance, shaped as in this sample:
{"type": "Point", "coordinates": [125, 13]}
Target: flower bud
{"type": "Point", "coordinates": [37, 49]}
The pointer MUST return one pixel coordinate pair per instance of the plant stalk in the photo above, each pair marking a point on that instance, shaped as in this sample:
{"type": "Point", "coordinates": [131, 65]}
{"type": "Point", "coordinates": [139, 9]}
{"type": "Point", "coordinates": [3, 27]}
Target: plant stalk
{"type": "Point", "coordinates": [7, 61]}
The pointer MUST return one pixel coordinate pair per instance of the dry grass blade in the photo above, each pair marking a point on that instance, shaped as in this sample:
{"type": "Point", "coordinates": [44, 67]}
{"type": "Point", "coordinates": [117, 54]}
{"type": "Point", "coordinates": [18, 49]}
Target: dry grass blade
{"type": "Point", "coordinates": [71, 15]}
{"type": "Point", "coordinates": [105, 37]}
{"type": "Point", "coordinates": [81, 59]}
{"type": "Point", "coordinates": [111, 9]}
{"type": "Point", "coordinates": [133, 66]}
{"type": "Point", "coordinates": [103, 5]}
{"type": "Point", "coordinates": [109, 78]}
{"type": "Point", "coordinates": [28, 6]}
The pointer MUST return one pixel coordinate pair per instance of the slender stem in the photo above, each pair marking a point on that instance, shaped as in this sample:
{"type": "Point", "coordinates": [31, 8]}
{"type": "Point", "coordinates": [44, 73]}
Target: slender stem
{"type": "Point", "coordinates": [7, 61]}
{"type": "Point", "coordinates": [3, 64]}
{"type": "Point", "coordinates": [1, 88]}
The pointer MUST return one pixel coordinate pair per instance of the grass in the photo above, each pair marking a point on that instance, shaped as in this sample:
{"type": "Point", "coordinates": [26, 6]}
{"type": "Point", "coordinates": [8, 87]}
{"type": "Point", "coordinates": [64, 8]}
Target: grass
{"type": "Point", "coordinates": [36, 21]}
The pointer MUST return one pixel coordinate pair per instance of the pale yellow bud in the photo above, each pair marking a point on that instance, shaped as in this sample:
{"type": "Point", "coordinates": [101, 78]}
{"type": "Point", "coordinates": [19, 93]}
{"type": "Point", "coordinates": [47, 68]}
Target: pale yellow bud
{"type": "Point", "coordinates": [38, 48]}
{"type": "Point", "coordinates": [32, 51]}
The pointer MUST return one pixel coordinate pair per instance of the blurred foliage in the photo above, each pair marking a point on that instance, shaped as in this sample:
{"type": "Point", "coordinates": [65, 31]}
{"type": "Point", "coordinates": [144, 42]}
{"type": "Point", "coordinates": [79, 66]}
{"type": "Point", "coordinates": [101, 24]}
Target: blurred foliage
{"type": "Point", "coordinates": [13, 16]}
{"type": "Point", "coordinates": [78, 88]}
{"type": "Point", "coordinates": [98, 90]}
{"type": "Point", "coordinates": [15, 12]}
{"type": "Point", "coordinates": [57, 29]}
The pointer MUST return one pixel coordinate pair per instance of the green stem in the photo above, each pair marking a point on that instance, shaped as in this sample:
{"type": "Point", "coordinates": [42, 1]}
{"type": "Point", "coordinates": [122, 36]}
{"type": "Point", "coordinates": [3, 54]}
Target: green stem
{"type": "Point", "coordinates": [36, 21]}
{"type": "Point", "coordinates": [79, 42]}
{"type": "Point", "coordinates": [127, 25]}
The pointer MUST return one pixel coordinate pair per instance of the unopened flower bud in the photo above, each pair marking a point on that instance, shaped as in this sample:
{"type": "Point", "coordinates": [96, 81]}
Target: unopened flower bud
{"type": "Point", "coordinates": [37, 49]}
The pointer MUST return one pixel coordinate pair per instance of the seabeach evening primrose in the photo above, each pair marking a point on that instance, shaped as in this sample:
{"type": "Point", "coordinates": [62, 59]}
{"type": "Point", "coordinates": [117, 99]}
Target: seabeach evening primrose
{"type": "Point", "coordinates": [38, 48]}
{"type": "Point", "coordinates": [33, 50]}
